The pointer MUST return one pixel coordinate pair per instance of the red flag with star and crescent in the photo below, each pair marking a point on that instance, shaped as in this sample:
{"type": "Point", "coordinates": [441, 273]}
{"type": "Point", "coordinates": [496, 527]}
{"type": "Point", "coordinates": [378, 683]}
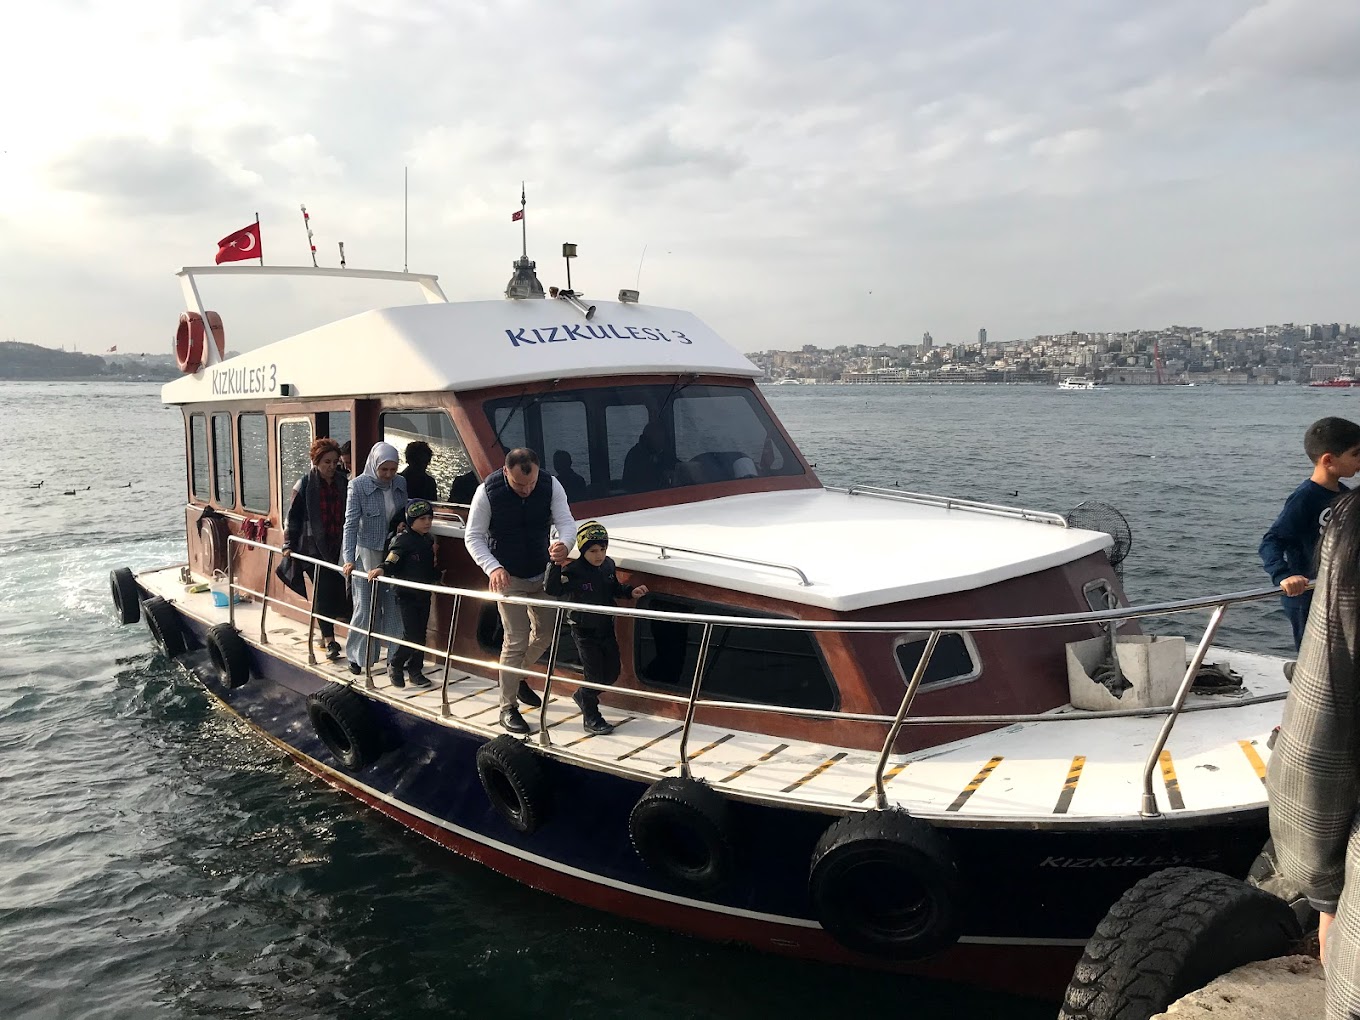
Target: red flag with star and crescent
{"type": "Point", "coordinates": [517, 215]}
{"type": "Point", "coordinates": [244, 244]}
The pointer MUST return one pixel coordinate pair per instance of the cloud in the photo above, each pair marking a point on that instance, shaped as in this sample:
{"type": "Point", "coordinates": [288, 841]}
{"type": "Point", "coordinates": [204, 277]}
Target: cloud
{"type": "Point", "coordinates": [138, 177]}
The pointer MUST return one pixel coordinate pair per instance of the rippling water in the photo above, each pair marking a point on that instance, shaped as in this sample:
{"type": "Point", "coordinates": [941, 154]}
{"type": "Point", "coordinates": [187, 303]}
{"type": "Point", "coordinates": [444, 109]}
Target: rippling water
{"type": "Point", "coordinates": [159, 863]}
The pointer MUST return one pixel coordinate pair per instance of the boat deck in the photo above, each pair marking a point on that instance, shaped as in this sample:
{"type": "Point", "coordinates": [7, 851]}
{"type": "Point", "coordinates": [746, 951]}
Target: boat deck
{"type": "Point", "coordinates": [1026, 774]}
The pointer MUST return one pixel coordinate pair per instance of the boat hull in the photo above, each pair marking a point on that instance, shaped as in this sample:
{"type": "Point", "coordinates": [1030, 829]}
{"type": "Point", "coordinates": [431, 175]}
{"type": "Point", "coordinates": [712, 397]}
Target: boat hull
{"type": "Point", "coordinates": [1032, 894]}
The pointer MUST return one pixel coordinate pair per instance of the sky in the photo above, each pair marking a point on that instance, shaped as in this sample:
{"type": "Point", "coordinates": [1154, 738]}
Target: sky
{"type": "Point", "coordinates": [793, 172]}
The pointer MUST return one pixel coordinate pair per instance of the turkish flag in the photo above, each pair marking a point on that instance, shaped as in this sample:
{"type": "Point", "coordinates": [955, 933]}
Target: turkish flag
{"type": "Point", "coordinates": [244, 244]}
{"type": "Point", "coordinates": [517, 215]}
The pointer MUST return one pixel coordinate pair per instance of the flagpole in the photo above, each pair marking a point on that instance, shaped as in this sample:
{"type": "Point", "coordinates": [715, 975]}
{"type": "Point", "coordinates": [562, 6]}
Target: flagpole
{"type": "Point", "coordinates": [307, 222]}
{"type": "Point", "coordinates": [523, 220]}
{"type": "Point", "coordinates": [257, 237]}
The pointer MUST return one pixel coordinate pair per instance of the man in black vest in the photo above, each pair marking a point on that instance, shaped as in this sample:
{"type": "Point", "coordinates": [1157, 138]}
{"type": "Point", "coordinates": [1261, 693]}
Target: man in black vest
{"type": "Point", "coordinates": [507, 536]}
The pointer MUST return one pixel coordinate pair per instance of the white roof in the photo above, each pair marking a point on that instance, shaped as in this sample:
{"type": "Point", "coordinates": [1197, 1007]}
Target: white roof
{"type": "Point", "coordinates": [856, 551]}
{"type": "Point", "coordinates": [463, 346]}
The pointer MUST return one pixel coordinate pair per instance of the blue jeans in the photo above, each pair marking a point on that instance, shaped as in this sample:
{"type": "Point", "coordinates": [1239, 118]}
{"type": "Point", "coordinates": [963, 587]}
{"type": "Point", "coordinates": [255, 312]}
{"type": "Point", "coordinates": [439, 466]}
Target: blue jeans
{"type": "Point", "coordinates": [1296, 608]}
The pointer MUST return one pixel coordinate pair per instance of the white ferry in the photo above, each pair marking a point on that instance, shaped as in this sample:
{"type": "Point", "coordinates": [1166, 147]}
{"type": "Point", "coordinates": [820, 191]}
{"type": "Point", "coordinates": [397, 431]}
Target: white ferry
{"type": "Point", "coordinates": [845, 725]}
{"type": "Point", "coordinates": [1077, 383]}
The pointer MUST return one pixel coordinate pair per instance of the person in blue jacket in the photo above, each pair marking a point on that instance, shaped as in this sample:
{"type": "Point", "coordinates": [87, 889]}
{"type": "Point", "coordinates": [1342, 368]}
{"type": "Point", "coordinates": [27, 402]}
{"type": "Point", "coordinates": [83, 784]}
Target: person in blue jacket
{"type": "Point", "coordinates": [1288, 549]}
{"type": "Point", "coordinates": [376, 502]}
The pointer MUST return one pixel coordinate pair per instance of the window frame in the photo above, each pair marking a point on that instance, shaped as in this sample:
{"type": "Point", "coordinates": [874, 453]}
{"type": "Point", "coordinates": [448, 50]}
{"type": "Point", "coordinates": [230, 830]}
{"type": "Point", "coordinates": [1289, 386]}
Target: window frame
{"type": "Point", "coordinates": [241, 464]}
{"type": "Point", "coordinates": [385, 410]}
{"type": "Point", "coordinates": [231, 458]}
{"type": "Point", "coordinates": [285, 485]}
{"type": "Point", "coordinates": [703, 607]}
{"type": "Point", "coordinates": [207, 457]}
{"type": "Point", "coordinates": [969, 645]}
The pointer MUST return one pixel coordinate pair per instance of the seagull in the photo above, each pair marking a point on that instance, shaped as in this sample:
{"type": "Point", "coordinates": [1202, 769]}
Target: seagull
{"type": "Point", "coordinates": [127, 486]}
{"type": "Point", "coordinates": [69, 492]}
{"type": "Point", "coordinates": [38, 486]}
{"type": "Point", "coordinates": [1015, 493]}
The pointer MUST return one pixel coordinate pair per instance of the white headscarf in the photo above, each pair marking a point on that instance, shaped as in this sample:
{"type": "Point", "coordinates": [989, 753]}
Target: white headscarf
{"type": "Point", "coordinates": [381, 454]}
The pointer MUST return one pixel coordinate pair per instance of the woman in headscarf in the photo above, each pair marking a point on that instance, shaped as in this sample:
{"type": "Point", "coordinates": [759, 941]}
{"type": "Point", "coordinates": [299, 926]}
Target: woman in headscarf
{"type": "Point", "coordinates": [377, 498]}
{"type": "Point", "coordinates": [315, 526]}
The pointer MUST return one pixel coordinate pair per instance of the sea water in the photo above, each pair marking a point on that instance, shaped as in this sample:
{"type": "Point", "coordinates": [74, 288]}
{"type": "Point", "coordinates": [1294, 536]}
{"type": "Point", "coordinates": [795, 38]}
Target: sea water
{"type": "Point", "coordinates": [159, 861]}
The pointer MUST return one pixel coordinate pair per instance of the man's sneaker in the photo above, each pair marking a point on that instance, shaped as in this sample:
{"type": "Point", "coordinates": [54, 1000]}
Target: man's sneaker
{"type": "Point", "coordinates": [1289, 670]}
{"type": "Point", "coordinates": [394, 674]}
{"type": "Point", "coordinates": [512, 721]}
{"type": "Point", "coordinates": [528, 696]}
{"type": "Point", "coordinates": [417, 678]}
{"type": "Point", "coordinates": [596, 724]}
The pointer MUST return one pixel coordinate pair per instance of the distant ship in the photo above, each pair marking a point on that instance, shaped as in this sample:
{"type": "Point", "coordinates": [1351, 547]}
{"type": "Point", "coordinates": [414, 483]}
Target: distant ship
{"type": "Point", "coordinates": [1336, 382]}
{"type": "Point", "coordinates": [1076, 383]}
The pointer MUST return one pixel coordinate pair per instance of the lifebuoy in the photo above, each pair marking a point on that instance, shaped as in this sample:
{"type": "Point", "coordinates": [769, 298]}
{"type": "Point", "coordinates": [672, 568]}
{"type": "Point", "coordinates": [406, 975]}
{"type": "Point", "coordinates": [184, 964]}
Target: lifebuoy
{"type": "Point", "coordinates": [189, 340]}
{"type": "Point", "coordinates": [343, 721]}
{"type": "Point", "coordinates": [212, 543]}
{"type": "Point", "coordinates": [163, 623]}
{"type": "Point", "coordinates": [230, 655]}
{"type": "Point", "coordinates": [680, 829]}
{"type": "Point", "coordinates": [514, 782]}
{"type": "Point", "coordinates": [126, 595]}
{"type": "Point", "coordinates": [884, 883]}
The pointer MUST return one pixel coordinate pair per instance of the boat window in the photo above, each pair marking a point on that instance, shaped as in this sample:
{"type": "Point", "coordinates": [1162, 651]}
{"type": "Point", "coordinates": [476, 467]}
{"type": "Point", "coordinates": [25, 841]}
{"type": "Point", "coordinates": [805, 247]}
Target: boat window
{"type": "Point", "coordinates": [295, 456]}
{"type": "Point", "coordinates": [449, 463]}
{"type": "Point", "coordinates": [768, 667]}
{"type": "Point", "coordinates": [334, 424]}
{"type": "Point", "coordinates": [568, 456]}
{"type": "Point", "coordinates": [224, 486]}
{"type": "Point", "coordinates": [953, 661]}
{"type": "Point", "coordinates": [198, 456]}
{"type": "Point", "coordinates": [252, 439]}
{"type": "Point", "coordinates": [644, 438]}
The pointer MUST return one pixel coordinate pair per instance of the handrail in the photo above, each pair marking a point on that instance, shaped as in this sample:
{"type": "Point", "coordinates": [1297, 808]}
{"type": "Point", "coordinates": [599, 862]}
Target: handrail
{"type": "Point", "coordinates": [949, 503]}
{"type": "Point", "coordinates": [1219, 605]}
{"type": "Point", "coordinates": [663, 546]}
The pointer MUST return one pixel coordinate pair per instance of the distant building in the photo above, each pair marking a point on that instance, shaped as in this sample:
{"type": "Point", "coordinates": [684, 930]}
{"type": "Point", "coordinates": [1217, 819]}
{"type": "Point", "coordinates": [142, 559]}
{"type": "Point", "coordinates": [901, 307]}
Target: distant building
{"type": "Point", "coordinates": [982, 336]}
{"type": "Point", "coordinates": [927, 341]}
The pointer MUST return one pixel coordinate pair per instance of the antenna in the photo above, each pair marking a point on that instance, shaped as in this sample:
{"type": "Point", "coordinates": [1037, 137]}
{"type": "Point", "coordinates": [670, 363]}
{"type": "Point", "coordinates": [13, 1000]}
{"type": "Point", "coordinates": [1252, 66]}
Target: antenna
{"type": "Point", "coordinates": [638, 284]}
{"type": "Point", "coordinates": [405, 217]}
{"type": "Point", "coordinates": [342, 254]}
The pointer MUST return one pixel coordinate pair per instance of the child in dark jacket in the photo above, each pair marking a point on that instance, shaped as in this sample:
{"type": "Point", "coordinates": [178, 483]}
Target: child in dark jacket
{"type": "Point", "coordinates": [591, 581]}
{"type": "Point", "coordinates": [410, 557]}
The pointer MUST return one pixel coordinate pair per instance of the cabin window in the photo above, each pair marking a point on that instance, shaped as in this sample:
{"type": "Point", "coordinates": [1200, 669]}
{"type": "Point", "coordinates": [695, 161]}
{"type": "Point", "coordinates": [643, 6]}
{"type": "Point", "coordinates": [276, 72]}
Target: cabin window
{"type": "Point", "coordinates": [334, 424]}
{"type": "Point", "coordinates": [224, 484]}
{"type": "Point", "coordinates": [644, 438]}
{"type": "Point", "coordinates": [768, 667]}
{"type": "Point", "coordinates": [454, 479]}
{"type": "Point", "coordinates": [954, 660]}
{"type": "Point", "coordinates": [568, 458]}
{"type": "Point", "coordinates": [252, 440]}
{"type": "Point", "coordinates": [198, 456]}
{"type": "Point", "coordinates": [295, 456]}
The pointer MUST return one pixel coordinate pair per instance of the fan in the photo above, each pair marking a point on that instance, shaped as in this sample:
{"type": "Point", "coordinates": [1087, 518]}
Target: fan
{"type": "Point", "coordinates": [1094, 515]}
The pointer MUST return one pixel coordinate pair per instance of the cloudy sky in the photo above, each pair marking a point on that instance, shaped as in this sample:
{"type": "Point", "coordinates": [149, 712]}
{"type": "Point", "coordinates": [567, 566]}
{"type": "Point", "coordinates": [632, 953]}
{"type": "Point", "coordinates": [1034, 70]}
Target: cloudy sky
{"type": "Point", "coordinates": [797, 171]}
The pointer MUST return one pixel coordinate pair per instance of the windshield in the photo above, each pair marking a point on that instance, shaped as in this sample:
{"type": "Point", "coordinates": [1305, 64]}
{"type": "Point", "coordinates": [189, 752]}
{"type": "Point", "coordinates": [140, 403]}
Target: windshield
{"type": "Point", "coordinates": [615, 440]}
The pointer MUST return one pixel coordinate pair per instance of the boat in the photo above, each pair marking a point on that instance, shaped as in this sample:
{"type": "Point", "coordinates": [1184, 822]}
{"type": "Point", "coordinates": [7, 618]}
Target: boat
{"type": "Point", "coordinates": [1078, 383]}
{"type": "Point", "coordinates": [846, 727]}
{"type": "Point", "coordinates": [1336, 382]}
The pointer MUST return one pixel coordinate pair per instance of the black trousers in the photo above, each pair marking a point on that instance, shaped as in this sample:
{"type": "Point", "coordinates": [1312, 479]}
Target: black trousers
{"type": "Point", "coordinates": [414, 608]}
{"type": "Point", "coordinates": [599, 655]}
{"type": "Point", "coordinates": [331, 599]}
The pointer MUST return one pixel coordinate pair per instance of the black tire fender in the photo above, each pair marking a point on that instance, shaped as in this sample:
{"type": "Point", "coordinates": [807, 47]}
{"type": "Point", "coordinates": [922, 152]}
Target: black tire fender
{"type": "Point", "coordinates": [513, 779]}
{"type": "Point", "coordinates": [163, 622]}
{"type": "Point", "coordinates": [127, 597]}
{"type": "Point", "coordinates": [344, 722]}
{"type": "Point", "coordinates": [230, 655]}
{"type": "Point", "coordinates": [1171, 933]}
{"type": "Point", "coordinates": [681, 830]}
{"type": "Point", "coordinates": [885, 884]}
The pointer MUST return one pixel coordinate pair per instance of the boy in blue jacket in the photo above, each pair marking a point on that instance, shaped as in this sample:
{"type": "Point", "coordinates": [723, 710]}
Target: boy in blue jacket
{"type": "Point", "coordinates": [591, 581]}
{"type": "Point", "coordinates": [1288, 548]}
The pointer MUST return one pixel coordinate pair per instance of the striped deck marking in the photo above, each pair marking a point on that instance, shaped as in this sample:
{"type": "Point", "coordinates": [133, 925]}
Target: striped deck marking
{"type": "Point", "coordinates": [887, 778]}
{"type": "Point", "coordinates": [565, 718]}
{"type": "Point", "coordinates": [815, 772]}
{"type": "Point", "coordinates": [484, 690]}
{"type": "Point", "coordinates": [1249, 749]}
{"type": "Point", "coordinates": [703, 750]}
{"type": "Point", "coordinates": [1173, 785]}
{"type": "Point", "coordinates": [973, 784]}
{"type": "Point", "coordinates": [1070, 787]}
{"type": "Point", "coordinates": [759, 761]}
{"type": "Point", "coordinates": [625, 719]}
{"type": "Point", "coordinates": [654, 740]}
{"type": "Point", "coordinates": [523, 709]}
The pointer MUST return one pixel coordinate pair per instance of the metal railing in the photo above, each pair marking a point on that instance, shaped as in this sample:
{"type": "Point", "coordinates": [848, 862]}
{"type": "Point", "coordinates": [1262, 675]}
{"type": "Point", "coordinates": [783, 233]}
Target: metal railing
{"type": "Point", "coordinates": [934, 629]}
{"type": "Point", "coordinates": [948, 503]}
{"type": "Point", "coordinates": [663, 548]}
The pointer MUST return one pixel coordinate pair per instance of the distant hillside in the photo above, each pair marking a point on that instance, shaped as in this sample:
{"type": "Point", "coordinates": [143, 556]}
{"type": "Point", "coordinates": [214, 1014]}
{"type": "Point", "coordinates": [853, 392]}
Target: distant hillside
{"type": "Point", "coordinates": [29, 361]}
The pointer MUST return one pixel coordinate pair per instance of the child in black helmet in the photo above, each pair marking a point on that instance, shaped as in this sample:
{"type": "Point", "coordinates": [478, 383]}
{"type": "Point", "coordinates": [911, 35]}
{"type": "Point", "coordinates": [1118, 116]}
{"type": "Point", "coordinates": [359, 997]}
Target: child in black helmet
{"type": "Point", "coordinates": [411, 558]}
{"type": "Point", "coordinates": [591, 580]}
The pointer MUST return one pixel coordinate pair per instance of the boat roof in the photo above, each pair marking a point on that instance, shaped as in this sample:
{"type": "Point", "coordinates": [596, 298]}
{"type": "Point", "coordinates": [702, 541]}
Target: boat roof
{"type": "Point", "coordinates": [854, 551]}
{"type": "Point", "coordinates": [464, 346]}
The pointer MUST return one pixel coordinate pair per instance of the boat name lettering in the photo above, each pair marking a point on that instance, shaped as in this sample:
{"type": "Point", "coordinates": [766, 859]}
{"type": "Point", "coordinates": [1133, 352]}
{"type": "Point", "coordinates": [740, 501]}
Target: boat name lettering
{"type": "Point", "coordinates": [242, 381]}
{"type": "Point", "coordinates": [1166, 861]}
{"type": "Point", "coordinates": [529, 335]}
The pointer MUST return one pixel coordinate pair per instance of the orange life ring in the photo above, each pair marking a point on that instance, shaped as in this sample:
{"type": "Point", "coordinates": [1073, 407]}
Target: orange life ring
{"type": "Point", "coordinates": [189, 340]}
